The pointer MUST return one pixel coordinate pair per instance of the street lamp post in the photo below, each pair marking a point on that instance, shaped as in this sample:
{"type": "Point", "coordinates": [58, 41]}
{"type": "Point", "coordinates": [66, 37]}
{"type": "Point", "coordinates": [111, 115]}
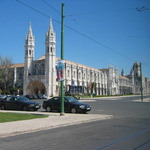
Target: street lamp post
{"type": "Point", "coordinates": [62, 58]}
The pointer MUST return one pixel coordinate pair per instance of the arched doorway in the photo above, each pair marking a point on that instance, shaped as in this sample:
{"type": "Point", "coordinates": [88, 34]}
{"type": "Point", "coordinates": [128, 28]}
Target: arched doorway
{"type": "Point", "coordinates": [36, 87]}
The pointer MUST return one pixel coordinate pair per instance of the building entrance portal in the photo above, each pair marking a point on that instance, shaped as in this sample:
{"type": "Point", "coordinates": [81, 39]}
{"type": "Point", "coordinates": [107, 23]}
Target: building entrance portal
{"type": "Point", "coordinates": [36, 87]}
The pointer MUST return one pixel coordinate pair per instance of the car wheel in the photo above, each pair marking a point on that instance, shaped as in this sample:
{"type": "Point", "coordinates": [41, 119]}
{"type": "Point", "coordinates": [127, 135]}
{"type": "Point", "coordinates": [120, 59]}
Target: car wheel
{"type": "Point", "coordinates": [48, 109]}
{"type": "Point", "coordinates": [2, 107]}
{"type": "Point", "coordinates": [24, 108]}
{"type": "Point", "coordinates": [73, 110]}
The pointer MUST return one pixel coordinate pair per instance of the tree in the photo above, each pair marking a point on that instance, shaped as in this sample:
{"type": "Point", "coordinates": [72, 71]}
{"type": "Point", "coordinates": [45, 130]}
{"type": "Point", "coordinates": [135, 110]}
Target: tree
{"type": "Point", "coordinates": [93, 87]}
{"type": "Point", "coordinates": [36, 87]}
{"type": "Point", "coordinates": [5, 72]}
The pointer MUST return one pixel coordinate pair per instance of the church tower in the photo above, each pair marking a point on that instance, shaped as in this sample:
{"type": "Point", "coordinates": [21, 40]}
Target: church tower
{"type": "Point", "coordinates": [50, 61]}
{"type": "Point", "coordinates": [29, 56]}
{"type": "Point", "coordinates": [29, 51]}
{"type": "Point", "coordinates": [122, 72]}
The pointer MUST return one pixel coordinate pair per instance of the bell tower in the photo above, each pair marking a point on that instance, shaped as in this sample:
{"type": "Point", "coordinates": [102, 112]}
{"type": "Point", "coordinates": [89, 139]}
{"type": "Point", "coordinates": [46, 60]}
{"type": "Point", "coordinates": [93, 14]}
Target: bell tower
{"type": "Point", "coordinates": [29, 57]}
{"type": "Point", "coordinates": [50, 61]}
{"type": "Point", "coordinates": [29, 51]}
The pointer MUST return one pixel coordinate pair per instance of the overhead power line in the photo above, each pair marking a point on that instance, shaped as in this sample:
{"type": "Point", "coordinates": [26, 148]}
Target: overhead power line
{"type": "Point", "coordinates": [37, 11]}
{"type": "Point", "coordinates": [104, 11]}
{"type": "Point", "coordinates": [99, 43]}
{"type": "Point", "coordinates": [51, 7]}
{"type": "Point", "coordinates": [32, 8]}
{"type": "Point", "coordinates": [143, 8]}
{"type": "Point", "coordinates": [78, 32]}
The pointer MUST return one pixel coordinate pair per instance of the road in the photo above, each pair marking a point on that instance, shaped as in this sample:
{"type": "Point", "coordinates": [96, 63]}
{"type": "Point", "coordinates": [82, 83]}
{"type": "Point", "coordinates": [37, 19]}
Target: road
{"type": "Point", "coordinates": [129, 129]}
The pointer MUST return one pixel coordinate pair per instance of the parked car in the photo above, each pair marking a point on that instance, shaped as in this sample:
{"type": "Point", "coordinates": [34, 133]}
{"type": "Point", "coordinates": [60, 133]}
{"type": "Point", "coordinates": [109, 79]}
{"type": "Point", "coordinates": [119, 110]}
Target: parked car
{"type": "Point", "coordinates": [44, 96]}
{"type": "Point", "coordinates": [2, 98]}
{"type": "Point", "coordinates": [70, 104]}
{"type": "Point", "coordinates": [41, 96]}
{"type": "Point", "coordinates": [31, 96]}
{"type": "Point", "coordinates": [18, 103]}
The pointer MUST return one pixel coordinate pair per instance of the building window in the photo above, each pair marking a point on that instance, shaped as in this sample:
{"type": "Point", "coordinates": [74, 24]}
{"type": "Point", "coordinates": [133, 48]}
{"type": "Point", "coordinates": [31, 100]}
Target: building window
{"type": "Point", "coordinates": [29, 52]}
{"type": "Point", "coordinates": [79, 75]}
{"type": "Point", "coordinates": [68, 74]}
{"type": "Point", "coordinates": [136, 74]}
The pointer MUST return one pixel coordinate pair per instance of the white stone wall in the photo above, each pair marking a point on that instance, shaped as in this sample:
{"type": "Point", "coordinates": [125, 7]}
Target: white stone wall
{"type": "Point", "coordinates": [81, 75]}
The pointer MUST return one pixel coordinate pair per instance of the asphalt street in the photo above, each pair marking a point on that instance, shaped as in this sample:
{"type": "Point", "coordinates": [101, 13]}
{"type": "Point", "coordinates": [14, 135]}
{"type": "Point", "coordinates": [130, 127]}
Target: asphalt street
{"type": "Point", "coordinates": [129, 129]}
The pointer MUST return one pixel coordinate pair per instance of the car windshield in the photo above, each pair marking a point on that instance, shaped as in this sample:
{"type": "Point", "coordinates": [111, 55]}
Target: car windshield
{"type": "Point", "coordinates": [23, 99]}
{"type": "Point", "coordinates": [71, 99]}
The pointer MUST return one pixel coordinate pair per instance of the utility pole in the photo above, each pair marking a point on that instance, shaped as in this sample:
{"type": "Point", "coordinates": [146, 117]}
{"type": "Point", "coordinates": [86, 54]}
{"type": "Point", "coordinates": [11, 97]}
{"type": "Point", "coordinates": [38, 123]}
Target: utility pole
{"type": "Point", "coordinates": [141, 82]}
{"type": "Point", "coordinates": [62, 58]}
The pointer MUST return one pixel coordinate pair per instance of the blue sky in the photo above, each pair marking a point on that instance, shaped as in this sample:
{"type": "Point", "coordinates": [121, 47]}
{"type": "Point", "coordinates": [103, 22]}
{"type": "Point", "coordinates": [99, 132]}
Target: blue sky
{"type": "Point", "coordinates": [100, 33]}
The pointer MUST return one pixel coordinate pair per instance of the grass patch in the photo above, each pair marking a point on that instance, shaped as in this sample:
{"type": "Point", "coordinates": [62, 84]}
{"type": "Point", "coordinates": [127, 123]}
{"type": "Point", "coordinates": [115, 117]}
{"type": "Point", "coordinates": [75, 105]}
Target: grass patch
{"type": "Point", "coordinates": [8, 117]}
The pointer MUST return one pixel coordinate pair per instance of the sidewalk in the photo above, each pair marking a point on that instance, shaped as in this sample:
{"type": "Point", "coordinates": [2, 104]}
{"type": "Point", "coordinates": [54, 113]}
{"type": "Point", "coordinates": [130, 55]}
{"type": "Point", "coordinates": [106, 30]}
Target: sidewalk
{"type": "Point", "coordinates": [144, 100]}
{"type": "Point", "coordinates": [54, 120]}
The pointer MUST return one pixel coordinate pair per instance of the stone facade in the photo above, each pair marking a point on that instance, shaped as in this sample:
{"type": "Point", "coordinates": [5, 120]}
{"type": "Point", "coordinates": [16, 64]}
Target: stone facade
{"type": "Point", "coordinates": [39, 76]}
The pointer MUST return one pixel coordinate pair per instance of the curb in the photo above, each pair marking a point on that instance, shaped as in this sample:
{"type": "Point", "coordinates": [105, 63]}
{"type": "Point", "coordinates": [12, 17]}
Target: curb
{"type": "Point", "coordinates": [53, 121]}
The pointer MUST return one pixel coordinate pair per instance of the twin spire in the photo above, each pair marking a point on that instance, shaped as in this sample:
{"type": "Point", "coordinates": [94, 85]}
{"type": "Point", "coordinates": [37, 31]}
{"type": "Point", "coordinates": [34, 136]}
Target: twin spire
{"type": "Point", "coordinates": [50, 39]}
{"type": "Point", "coordinates": [50, 30]}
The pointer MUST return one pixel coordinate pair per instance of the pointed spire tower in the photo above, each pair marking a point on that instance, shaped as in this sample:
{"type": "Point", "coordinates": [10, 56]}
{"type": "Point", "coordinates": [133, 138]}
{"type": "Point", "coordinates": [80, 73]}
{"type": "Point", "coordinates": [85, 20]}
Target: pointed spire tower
{"type": "Point", "coordinates": [50, 40]}
{"type": "Point", "coordinates": [30, 30]}
{"type": "Point", "coordinates": [29, 51]}
{"type": "Point", "coordinates": [50, 60]}
{"type": "Point", "coordinates": [29, 57]}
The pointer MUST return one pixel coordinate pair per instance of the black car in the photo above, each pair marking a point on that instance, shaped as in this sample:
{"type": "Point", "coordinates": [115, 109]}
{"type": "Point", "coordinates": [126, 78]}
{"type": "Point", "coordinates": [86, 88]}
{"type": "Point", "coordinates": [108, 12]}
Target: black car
{"type": "Point", "coordinates": [31, 96]}
{"type": "Point", "coordinates": [70, 105]}
{"type": "Point", "coordinates": [41, 96]}
{"type": "Point", "coordinates": [18, 103]}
